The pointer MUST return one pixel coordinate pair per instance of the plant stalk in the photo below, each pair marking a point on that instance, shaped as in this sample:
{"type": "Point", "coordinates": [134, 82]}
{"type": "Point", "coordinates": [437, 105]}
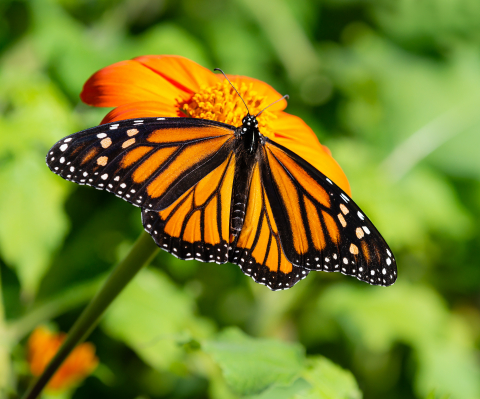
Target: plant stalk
{"type": "Point", "coordinates": [140, 254]}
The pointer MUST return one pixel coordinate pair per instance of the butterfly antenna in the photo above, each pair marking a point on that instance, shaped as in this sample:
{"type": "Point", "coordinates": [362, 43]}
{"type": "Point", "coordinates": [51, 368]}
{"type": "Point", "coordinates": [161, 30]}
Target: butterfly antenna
{"type": "Point", "coordinates": [218, 69]}
{"type": "Point", "coordinates": [280, 99]}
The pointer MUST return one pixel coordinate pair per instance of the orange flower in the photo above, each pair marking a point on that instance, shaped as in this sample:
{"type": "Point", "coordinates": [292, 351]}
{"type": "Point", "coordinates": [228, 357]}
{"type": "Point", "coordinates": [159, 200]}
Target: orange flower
{"type": "Point", "coordinates": [173, 86]}
{"type": "Point", "coordinates": [42, 347]}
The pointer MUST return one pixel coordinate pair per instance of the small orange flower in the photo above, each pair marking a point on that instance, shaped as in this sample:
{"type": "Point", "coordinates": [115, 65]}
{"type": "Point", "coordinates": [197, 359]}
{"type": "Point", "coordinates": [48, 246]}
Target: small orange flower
{"type": "Point", "coordinates": [42, 347]}
{"type": "Point", "coordinates": [174, 86]}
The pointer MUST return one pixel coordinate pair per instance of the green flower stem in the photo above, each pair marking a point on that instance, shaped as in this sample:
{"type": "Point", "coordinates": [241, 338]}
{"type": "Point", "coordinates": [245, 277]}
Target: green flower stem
{"type": "Point", "coordinates": [140, 254]}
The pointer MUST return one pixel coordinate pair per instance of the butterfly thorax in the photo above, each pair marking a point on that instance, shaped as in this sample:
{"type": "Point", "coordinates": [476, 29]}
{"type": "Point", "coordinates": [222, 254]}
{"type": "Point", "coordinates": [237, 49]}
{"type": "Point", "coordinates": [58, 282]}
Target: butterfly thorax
{"type": "Point", "coordinates": [250, 133]}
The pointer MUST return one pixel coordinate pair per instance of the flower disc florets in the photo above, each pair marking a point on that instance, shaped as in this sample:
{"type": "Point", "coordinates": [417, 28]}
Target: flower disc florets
{"type": "Point", "coordinates": [222, 104]}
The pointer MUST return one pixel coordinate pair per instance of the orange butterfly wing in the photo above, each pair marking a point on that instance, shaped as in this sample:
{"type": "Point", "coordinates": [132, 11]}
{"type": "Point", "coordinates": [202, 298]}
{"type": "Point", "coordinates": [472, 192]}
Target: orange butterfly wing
{"type": "Point", "coordinates": [319, 226]}
{"type": "Point", "coordinates": [258, 250]}
{"type": "Point", "coordinates": [149, 162]}
{"type": "Point", "coordinates": [196, 225]}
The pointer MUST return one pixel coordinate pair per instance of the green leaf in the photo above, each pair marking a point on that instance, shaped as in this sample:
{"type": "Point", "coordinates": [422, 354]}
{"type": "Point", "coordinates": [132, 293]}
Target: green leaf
{"type": "Point", "coordinates": [320, 379]}
{"type": "Point", "coordinates": [33, 222]}
{"type": "Point", "coordinates": [251, 365]}
{"type": "Point", "coordinates": [422, 110]}
{"type": "Point", "coordinates": [153, 317]}
{"type": "Point", "coordinates": [328, 381]}
{"type": "Point", "coordinates": [377, 318]}
{"type": "Point", "coordinates": [284, 392]}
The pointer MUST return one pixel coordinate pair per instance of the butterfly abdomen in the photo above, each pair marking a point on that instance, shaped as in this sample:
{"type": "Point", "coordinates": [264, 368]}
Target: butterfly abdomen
{"type": "Point", "coordinates": [241, 187]}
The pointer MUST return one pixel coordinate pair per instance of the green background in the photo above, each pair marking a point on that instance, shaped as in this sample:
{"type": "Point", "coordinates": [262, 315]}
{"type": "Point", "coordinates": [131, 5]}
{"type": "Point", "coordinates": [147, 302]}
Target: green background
{"type": "Point", "coordinates": [391, 87]}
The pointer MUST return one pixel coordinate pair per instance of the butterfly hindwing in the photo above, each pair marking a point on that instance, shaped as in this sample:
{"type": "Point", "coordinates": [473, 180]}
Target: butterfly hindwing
{"type": "Point", "coordinates": [196, 226]}
{"type": "Point", "coordinates": [149, 162]}
{"type": "Point", "coordinates": [258, 250]}
{"type": "Point", "coordinates": [320, 227]}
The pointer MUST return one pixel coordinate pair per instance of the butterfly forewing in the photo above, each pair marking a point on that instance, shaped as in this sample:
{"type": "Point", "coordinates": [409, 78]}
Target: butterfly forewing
{"type": "Point", "coordinates": [320, 227]}
{"type": "Point", "coordinates": [149, 162]}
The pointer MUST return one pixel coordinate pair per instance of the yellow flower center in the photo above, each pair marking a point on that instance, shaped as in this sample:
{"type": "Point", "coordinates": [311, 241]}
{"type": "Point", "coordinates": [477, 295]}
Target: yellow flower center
{"type": "Point", "coordinates": [221, 103]}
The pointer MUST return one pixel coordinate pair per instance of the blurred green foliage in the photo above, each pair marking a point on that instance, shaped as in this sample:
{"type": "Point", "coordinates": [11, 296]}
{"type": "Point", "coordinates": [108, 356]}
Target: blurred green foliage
{"type": "Point", "coordinates": [392, 87]}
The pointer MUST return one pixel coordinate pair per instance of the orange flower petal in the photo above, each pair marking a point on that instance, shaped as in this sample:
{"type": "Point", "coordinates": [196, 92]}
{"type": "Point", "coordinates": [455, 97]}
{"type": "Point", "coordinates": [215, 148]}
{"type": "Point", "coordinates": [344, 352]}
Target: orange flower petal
{"type": "Point", "coordinates": [262, 89]}
{"type": "Point", "coordinates": [79, 364]}
{"type": "Point", "coordinates": [293, 133]}
{"type": "Point", "coordinates": [42, 347]}
{"type": "Point", "coordinates": [180, 71]}
{"type": "Point", "coordinates": [293, 128]}
{"type": "Point", "coordinates": [126, 82]}
{"type": "Point", "coordinates": [141, 109]}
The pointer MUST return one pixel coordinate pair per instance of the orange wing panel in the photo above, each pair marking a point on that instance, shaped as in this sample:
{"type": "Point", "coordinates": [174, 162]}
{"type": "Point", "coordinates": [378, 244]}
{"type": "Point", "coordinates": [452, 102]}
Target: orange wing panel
{"type": "Point", "coordinates": [211, 228]}
{"type": "Point", "coordinates": [209, 184]}
{"type": "Point", "coordinates": [332, 227]}
{"type": "Point", "coordinates": [365, 251]}
{"type": "Point", "coordinates": [89, 155]}
{"type": "Point", "coordinates": [305, 180]}
{"type": "Point", "coordinates": [152, 163]}
{"type": "Point", "coordinates": [134, 155]}
{"type": "Point", "coordinates": [272, 261]}
{"type": "Point", "coordinates": [191, 155]}
{"type": "Point", "coordinates": [316, 230]}
{"type": "Point", "coordinates": [174, 224]}
{"type": "Point", "coordinates": [192, 231]}
{"type": "Point", "coordinates": [262, 243]}
{"type": "Point", "coordinates": [290, 198]}
{"type": "Point", "coordinates": [285, 266]}
{"type": "Point", "coordinates": [172, 135]}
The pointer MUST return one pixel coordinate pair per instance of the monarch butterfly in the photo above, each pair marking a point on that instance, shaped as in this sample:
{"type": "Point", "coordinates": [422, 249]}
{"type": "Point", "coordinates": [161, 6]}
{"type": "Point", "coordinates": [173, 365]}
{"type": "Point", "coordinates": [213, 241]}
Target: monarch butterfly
{"type": "Point", "coordinates": [218, 193]}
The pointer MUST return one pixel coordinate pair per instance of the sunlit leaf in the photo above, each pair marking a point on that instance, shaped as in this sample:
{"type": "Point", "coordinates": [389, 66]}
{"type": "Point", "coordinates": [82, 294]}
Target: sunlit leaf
{"type": "Point", "coordinates": [328, 381]}
{"type": "Point", "coordinates": [377, 318]}
{"type": "Point", "coordinates": [251, 365]}
{"type": "Point", "coordinates": [33, 222]}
